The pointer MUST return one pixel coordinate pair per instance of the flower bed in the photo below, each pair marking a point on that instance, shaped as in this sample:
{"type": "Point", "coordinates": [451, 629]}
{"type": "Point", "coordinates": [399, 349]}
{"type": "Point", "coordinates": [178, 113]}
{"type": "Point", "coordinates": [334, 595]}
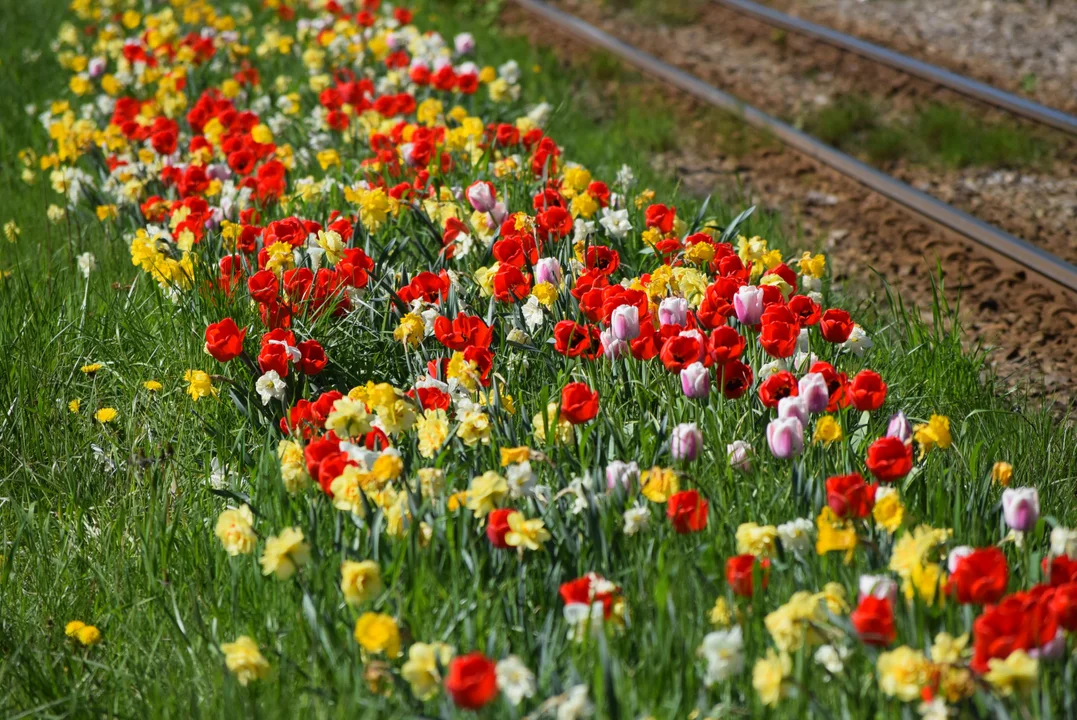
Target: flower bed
{"type": "Point", "coordinates": [513, 407]}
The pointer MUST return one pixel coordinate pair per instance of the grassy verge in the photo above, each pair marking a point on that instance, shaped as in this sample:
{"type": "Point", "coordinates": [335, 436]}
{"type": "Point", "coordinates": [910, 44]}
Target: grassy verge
{"type": "Point", "coordinates": [935, 135]}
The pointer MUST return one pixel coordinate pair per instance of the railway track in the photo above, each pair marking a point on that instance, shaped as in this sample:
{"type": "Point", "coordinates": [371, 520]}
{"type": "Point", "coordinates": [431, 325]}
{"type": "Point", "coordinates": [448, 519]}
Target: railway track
{"type": "Point", "coordinates": [932, 73]}
{"type": "Point", "coordinates": [1043, 263]}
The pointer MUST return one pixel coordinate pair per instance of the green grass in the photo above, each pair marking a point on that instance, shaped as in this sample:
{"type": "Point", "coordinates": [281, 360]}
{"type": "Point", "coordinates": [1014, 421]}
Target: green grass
{"type": "Point", "coordinates": [936, 135]}
{"type": "Point", "coordinates": [666, 12]}
{"type": "Point", "coordinates": [113, 524]}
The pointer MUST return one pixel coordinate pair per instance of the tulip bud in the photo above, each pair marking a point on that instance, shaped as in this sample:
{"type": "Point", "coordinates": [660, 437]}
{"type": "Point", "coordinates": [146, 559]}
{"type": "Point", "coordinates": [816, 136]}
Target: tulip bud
{"type": "Point", "coordinates": [900, 427]}
{"type": "Point", "coordinates": [1053, 649]}
{"type": "Point", "coordinates": [813, 390]}
{"type": "Point", "coordinates": [696, 381]}
{"type": "Point", "coordinates": [956, 555]}
{"type": "Point", "coordinates": [481, 196]}
{"type": "Point", "coordinates": [878, 586]}
{"type": "Point", "coordinates": [739, 453]}
{"type": "Point", "coordinates": [748, 304]}
{"type": "Point", "coordinates": [793, 407]}
{"type": "Point", "coordinates": [498, 213]}
{"type": "Point", "coordinates": [624, 322]}
{"type": "Point", "coordinates": [785, 436]}
{"type": "Point", "coordinates": [464, 43]}
{"type": "Point", "coordinates": [621, 473]}
{"type": "Point", "coordinates": [1021, 508]}
{"type": "Point", "coordinates": [548, 270]}
{"type": "Point", "coordinates": [218, 171]}
{"type": "Point", "coordinates": [96, 67]}
{"type": "Point", "coordinates": [803, 341]}
{"type": "Point", "coordinates": [673, 311]}
{"type": "Point", "coordinates": [686, 442]}
{"type": "Point", "coordinates": [612, 348]}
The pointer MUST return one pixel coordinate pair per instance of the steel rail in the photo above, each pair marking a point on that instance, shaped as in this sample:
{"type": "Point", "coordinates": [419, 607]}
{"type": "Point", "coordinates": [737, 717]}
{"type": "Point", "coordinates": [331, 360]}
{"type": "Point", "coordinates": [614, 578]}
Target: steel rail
{"type": "Point", "coordinates": [932, 73]}
{"type": "Point", "coordinates": [1043, 263]}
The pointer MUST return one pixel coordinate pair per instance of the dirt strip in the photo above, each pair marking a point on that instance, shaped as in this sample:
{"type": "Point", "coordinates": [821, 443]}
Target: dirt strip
{"type": "Point", "coordinates": [1027, 47]}
{"type": "Point", "coordinates": [789, 76]}
{"type": "Point", "coordinates": [1029, 323]}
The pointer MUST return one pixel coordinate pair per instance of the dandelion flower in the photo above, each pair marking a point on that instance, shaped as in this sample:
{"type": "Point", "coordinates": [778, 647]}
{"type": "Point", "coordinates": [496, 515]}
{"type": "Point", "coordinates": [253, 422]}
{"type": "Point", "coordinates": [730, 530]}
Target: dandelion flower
{"type": "Point", "coordinates": [86, 635]}
{"type": "Point", "coordinates": [105, 415]}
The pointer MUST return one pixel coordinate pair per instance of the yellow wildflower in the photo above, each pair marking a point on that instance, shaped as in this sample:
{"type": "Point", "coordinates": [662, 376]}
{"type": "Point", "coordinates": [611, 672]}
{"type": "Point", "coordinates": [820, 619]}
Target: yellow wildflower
{"type": "Point", "coordinates": [827, 431]}
{"type": "Point", "coordinates": [432, 429]}
{"type": "Point", "coordinates": [948, 649]}
{"type": "Point", "coordinates": [457, 500]}
{"type": "Point", "coordinates": [411, 330]}
{"type": "Point", "coordinates": [902, 673]}
{"type": "Point", "coordinates": [755, 539]}
{"type": "Point", "coordinates": [486, 492]}
{"type": "Point", "coordinates": [199, 384]}
{"type": "Point", "coordinates": [106, 415]}
{"type": "Point", "coordinates": [86, 635]}
{"type": "Point", "coordinates": [525, 534]}
{"type": "Point", "coordinates": [769, 675]}
{"type": "Point", "coordinates": [74, 405]}
{"type": "Point", "coordinates": [562, 428]}
{"type": "Point", "coordinates": [721, 615]}
{"type": "Point", "coordinates": [348, 418]}
{"type": "Point", "coordinates": [378, 633]}
{"type": "Point", "coordinates": [835, 597]}
{"type": "Point", "coordinates": [812, 265]}
{"type": "Point", "coordinates": [235, 529]}
{"type": "Point", "coordinates": [293, 466]}
{"type": "Point", "coordinates": [91, 368]}
{"type": "Point", "coordinates": [347, 489]}
{"type": "Point", "coordinates": [474, 428]}
{"type": "Point", "coordinates": [512, 456]}
{"type": "Point", "coordinates": [1002, 473]}
{"type": "Point", "coordinates": [545, 293]}
{"type": "Point", "coordinates": [934, 433]}
{"type": "Point", "coordinates": [888, 510]}
{"type": "Point", "coordinates": [152, 385]}
{"type": "Point", "coordinates": [284, 553]}
{"type": "Point", "coordinates": [422, 669]}
{"type": "Point", "coordinates": [834, 534]}
{"type": "Point", "coordinates": [796, 622]}
{"type": "Point", "coordinates": [328, 158]}
{"type": "Point", "coordinates": [245, 660]}
{"type": "Point", "coordinates": [658, 484]}
{"type": "Point", "coordinates": [360, 581]}
{"type": "Point", "coordinates": [431, 481]}
{"type": "Point", "coordinates": [463, 371]}
{"type": "Point", "coordinates": [699, 254]}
